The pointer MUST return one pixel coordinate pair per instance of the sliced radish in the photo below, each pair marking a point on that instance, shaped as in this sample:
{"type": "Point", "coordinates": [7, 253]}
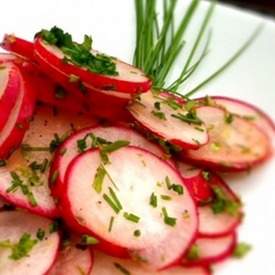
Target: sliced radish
{"type": "Point", "coordinates": [206, 251]}
{"type": "Point", "coordinates": [247, 111]}
{"type": "Point", "coordinates": [72, 260]}
{"type": "Point", "coordinates": [233, 146]}
{"type": "Point", "coordinates": [223, 213]}
{"type": "Point", "coordinates": [45, 125]}
{"type": "Point", "coordinates": [10, 81]}
{"type": "Point", "coordinates": [161, 121]}
{"type": "Point", "coordinates": [13, 225]}
{"type": "Point", "coordinates": [18, 121]}
{"type": "Point", "coordinates": [129, 79]}
{"type": "Point", "coordinates": [194, 178]}
{"type": "Point", "coordinates": [106, 265]}
{"type": "Point", "coordinates": [70, 147]}
{"type": "Point", "coordinates": [18, 46]}
{"type": "Point", "coordinates": [149, 233]}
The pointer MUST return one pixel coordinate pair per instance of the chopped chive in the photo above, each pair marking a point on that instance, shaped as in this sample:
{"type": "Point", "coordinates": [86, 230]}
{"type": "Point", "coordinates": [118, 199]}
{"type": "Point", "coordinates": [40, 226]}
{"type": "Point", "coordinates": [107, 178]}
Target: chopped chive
{"type": "Point", "coordinates": [153, 200]}
{"type": "Point", "coordinates": [206, 175]}
{"type": "Point", "coordinates": [115, 198]}
{"type": "Point", "coordinates": [165, 198]}
{"type": "Point", "coordinates": [28, 148]}
{"type": "Point", "coordinates": [88, 240]}
{"type": "Point", "coordinates": [229, 118]}
{"type": "Point", "coordinates": [189, 118]}
{"type": "Point", "coordinates": [131, 217]}
{"type": "Point", "coordinates": [241, 250]}
{"type": "Point", "coordinates": [193, 253]}
{"type": "Point", "coordinates": [159, 114]}
{"type": "Point", "coordinates": [40, 234]}
{"type": "Point", "coordinates": [111, 223]}
{"type": "Point", "coordinates": [99, 178]}
{"type": "Point", "coordinates": [54, 177]}
{"type": "Point", "coordinates": [168, 220]}
{"type": "Point", "coordinates": [122, 269]}
{"type": "Point", "coordinates": [172, 186]}
{"type": "Point", "coordinates": [137, 233]}
{"type": "Point", "coordinates": [157, 105]}
{"type": "Point", "coordinates": [111, 203]}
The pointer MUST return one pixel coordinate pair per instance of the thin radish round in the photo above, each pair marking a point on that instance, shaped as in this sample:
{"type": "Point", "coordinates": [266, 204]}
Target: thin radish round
{"type": "Point", "coordinates": [165, 118]}
{"type": "Point", "coordinates": [10, 81]}
{"type": "Point", "coordinates": [146, 198]}
{"type": "Point", "coordinates": [18, 46]}
{"type": "Point", "coordinates": [106, 265]}
{"type": "Point", "coordinates": [195, 179]}
{"type": "Point", "coordinates": [18, 121]}
{"type": "Point", "coordinates": [24, 179]}
{"type": "Point", "coordinates": [14, 254]}
{"type": "Point", "coordinates": [72, 260]}
{"type": "Point", "coordinates": [235, 144]}
{"type": "Point", "coordinates": [223, 213]}
{"type": "Point", "coordinates": [110, 134]}
{"type": "Point", "coordinates": [207, 251]}
{"type": "Point", "coordinates": [128, 80]}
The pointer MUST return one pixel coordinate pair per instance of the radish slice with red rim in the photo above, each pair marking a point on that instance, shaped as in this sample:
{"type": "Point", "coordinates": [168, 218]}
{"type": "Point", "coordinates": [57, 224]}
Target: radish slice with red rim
{"type": "Point", "coordinates": [82, 141]}
{"type": "Point", "coordinates": [106, 265]}
{"type": "Point", "coordinates": [234, 144]}
{"type": "Point", "coordinates": [72, 260]}
{"type": "Point", "coordinates": [167, 119]}
{"type": "Point", "coordinates": [128, 80]}
{"type": "Point", "coordinates": [10, 81]}
{"type": "Point", "coordinates": [33, 231]}
{"type": "Point", "coordinates": [146, 198]}
{"type": "Point", "coordinates": [207, 251]}
{"type": "Point", "coordinates": [24, 178]}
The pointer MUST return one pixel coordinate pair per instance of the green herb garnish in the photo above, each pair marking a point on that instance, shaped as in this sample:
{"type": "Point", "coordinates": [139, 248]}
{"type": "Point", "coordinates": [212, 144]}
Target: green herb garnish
{"type": "Point", "coordinates": [159, 114]}
{"type": "Point", "coordinates": [122, 269]}
{"type": "Point", "coordinates": [166, 197]}
{"type": "Point", "coordinates": [229, 118]}
{"type": "Point", "coordinates": [190, 118]}
{"type": "Point", "coordinates": [131, 217]}
{"type": "Point", "coordinates": [172, 186]}
{"type": "Point", "coordinates": [153, 200]}
{"type": "Point", "coordinates": [111, 223]}
{"type": "Point", "coordinates": [137, 233]}
{"type": "Point", "coordinates": [88, 240]}
{"type": "Point", "coordinates": [99, 178]}
{"type": "Point", "coordinates": [40, 234]}
{"type": "Point", "coordinates": [193, 253]}
{"type": "Point", "coordinates": [241, 250]}
{"type": "Point", "coordinates": [168, 220]}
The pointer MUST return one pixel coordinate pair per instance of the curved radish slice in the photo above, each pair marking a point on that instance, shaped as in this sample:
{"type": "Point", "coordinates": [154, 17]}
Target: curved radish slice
{"type": "Point", "coordinates": [248, 112]}
{"type": "Point", "coordinates": [72, 260]}
{"type": "Point", "coordinates": [111, 134]}
{"type": "Point", "coordinates": [18, 46]}
{"type": "Point", "coordinates": [106, 265]}
{"type": "Point", "coordinates": [196, 180]}
{"type": "Point", "coordinates": [223, 213]}
{"type": "Point", "coordinates": [18, 120]}
{"type": "Point", "coordinates": [233, 146]}
{"type": "Point", "coordinates": [15, 225]}
{"type": "Point", "coordinates": [128, 80]}
{"type": "Point", "coordinates": [9, 89]}
{"type": "Point", "coordinates": [31, 164]}
{"type": "Point", "coordinates": [206, 251]}
{"type": "Point", "coordinates": [157, 115]}
{"type": "Point", "coordinates": [144, 196]}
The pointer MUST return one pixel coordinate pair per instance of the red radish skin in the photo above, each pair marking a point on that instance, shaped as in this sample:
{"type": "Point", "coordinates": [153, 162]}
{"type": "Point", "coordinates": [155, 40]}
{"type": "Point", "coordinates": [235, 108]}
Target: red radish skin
{"type": "Point", "coordinates": [221, 224]}
{"type": "Point", "coordinates": [18, 46]}
{"type": "Point", "coordinates": [129, 80]}
{"type": "Point", "coordinates": [112, 133]}
{"type": "Point", "coordinates": [170, 129]}
{"type": "Point", "coordinates": [194, 178]}
{"type": "Point", "coordinates": [10, 81]}
{"type": "Point", "coordinates": [13, 224]}
{"type": "Point", "coordinates": [232, 147]}
{"type": "Point", "coordinates": [18, 121]}
{"type": "Point", "coordinates": [41, 133]}
{"type": "Point", "coordinates": [106, 265]}
{"type": "Point", "coordinates": [172, 240]}
{"type": "Point", "coordinates": [212, 250]}
{"type": "Point", "coordinates": [72, 260]}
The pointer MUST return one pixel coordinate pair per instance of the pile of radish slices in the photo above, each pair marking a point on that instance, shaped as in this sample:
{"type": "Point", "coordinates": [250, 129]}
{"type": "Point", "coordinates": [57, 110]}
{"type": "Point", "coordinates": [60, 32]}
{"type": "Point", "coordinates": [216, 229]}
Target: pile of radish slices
{"type": "Point", "coordinates": [100, 174]}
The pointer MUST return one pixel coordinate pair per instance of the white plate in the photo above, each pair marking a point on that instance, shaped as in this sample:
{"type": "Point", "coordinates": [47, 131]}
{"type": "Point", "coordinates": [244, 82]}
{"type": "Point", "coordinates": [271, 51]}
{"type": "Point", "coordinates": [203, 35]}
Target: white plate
{"type": "Point", "coordinates": [252, 78]}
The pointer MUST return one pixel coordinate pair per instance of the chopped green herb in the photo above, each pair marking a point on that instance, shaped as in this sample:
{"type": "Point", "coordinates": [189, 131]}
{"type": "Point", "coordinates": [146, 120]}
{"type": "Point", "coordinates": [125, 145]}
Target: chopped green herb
{"type": "Point", "coordinates": [79, 54]}
{"type": "Point", "coordinates": [28, 148]}
{"type": "Point", "coordinates": [249, 118]}
{"type": "Point", "coordinates": [193, 253]}
{"type": "Point", "coordinates": [99, 178]}
{"type": "Point", "coordinates": [115, 198]}
{"type": "Point", "coordinates": [54, 177]}
{"type": "Point", "coordinates": [190, 118]}
{"type": "Point", "coordinates": [54, 226]}
{"type": "Point", "coordinates": [215, 146]}
{"type": "Point", "coordinates": [229, 118]}
{"type": "Point", "coordinates": [3, 163]}
{"type": "Point", "coordinates": [111, 203]}
{"type": "Point", "coordinates": [172, 186]}
{"type": "Point", "coordinates": [153, 200]}
{"type": "Point", "coordinates": [42, 167]}
{"type": "Point", "coordinates": [168, 220]}
{"type": "Point", "coordinates": [137, 233]}
{"type": "Point", "coordinates": [40, 234]}
{"type": "Point", "coordinates": [165, 198]}
{"type": "Point", "coordinates": [88, 240]}
{"type": "Point", "coordinates": [159, 114]}
{"type": "Point", "coordinates": [199, 129]}
{"type": "Point", "coordinates": [206, 175]}
{"type": "Point", "coordinates": [241, 250]}
{"type": "Point", "coordinates": [56, 141]}
{"type": "Point", "coordinates": [157, 105]}
{"type": "Point", "coordinates": [131, 217]}
{"type": "Point", "coordinates": [17, 183]}
{"type": "Point", "coordinates": [122, 269]}
{"type": "Point", "coordinates": [111, 223]}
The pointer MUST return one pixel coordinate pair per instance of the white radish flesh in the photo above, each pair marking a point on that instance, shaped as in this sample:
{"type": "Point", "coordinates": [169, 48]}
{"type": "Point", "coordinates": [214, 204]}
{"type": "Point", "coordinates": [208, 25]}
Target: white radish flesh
{"type": "Point", "coordinates": [13, 224]}
{"type": "Point", "coordinates": [169, 128]}
{"type": "Point", "coordinates": [159, 243]}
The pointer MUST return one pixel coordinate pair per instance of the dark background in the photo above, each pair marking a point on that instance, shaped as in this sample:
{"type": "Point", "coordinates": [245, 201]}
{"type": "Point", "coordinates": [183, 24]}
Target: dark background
{"type": "Point", "coordinates": [262, 6]}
